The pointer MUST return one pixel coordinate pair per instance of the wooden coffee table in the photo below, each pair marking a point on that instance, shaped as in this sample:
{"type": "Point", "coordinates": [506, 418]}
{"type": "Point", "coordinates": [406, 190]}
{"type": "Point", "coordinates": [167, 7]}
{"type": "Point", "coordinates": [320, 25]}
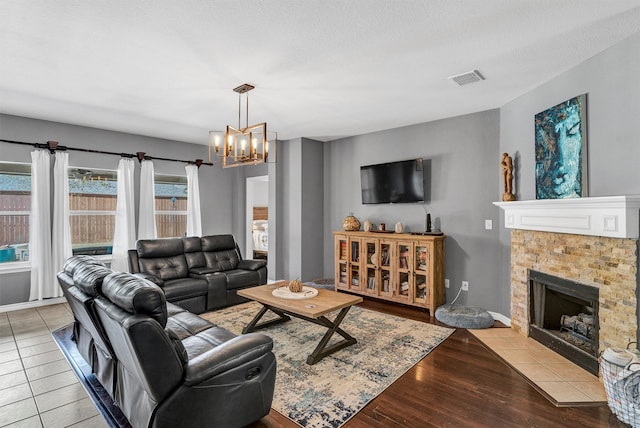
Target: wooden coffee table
{"type": "Point", "coordinates": [312, 310]}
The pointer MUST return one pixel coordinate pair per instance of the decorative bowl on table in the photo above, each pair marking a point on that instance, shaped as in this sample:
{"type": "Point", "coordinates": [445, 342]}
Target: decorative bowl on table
{"type": "Point", "coordinates": [285, 291]}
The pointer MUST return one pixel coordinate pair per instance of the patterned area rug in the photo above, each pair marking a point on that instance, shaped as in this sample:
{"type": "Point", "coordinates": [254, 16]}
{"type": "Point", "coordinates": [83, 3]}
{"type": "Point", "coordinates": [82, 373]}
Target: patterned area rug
{"type": "Point", "coordinates": [330, 392]}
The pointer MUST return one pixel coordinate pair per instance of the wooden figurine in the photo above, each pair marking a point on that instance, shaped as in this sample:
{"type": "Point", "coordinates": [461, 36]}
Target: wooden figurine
{"type": "Point", "coordinates": [507, 178]}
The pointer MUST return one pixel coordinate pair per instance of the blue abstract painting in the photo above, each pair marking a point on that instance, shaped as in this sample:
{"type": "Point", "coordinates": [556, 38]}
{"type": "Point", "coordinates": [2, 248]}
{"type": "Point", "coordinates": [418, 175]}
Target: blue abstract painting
{"type": "Point", "coordinates": [561, 150]}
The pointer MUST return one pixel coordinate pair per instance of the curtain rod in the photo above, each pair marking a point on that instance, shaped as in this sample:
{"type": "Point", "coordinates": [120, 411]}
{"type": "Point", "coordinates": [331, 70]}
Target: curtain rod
{"type": "Point", "coordinates": [52, 146]}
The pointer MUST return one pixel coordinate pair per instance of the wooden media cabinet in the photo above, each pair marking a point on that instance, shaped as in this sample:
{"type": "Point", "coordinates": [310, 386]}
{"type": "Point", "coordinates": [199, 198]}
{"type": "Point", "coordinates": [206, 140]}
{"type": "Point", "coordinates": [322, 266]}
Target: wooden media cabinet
{"type": "Point", "coordinates": [399, 267]}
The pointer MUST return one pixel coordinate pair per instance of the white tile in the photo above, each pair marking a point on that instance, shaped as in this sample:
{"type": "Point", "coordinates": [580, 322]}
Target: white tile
{"type": "Point", "coordinates": [94, 422]}
{"type": "Point", "coordinates": [9, 356]}
{"type": "Point", "coordinates": [15, 393]}
{"type": "Point", "coordinates": [18, 411]}
{"type": "Point", "coordinates": [31, 332]}
{"type": "Point", "coordinates": [36, 340]}
{"type": "Point", "coordinates": [60, 397]}
{"type": "Point", "coordinates": [9, 345]}
{"type": "Point", "coordinates": [69, 414]}
{"type": "Point", "coordinates": [12, 379]}
{"type": "Point", "coordinates": [32, 422]}
{"type": "Point", "coordinates": [49, 383]}
{"type": "Point", "coordinates": [38, 360]}
{"type": "Point", "coordinates": [48, 369]}
{"type": "Point", "coordinates": [30, 351]}
{"type": "Point", "coordinates": [10, 367]}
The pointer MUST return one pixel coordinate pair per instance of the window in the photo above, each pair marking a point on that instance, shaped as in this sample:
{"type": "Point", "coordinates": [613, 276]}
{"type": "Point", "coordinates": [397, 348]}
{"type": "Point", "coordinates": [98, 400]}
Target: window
{"type": "Point", "coordinates": [15, 207]}
{"type": "Point", "coordinates": [171, 205]}
{"type": "Point", "coordinates": [92, 209]}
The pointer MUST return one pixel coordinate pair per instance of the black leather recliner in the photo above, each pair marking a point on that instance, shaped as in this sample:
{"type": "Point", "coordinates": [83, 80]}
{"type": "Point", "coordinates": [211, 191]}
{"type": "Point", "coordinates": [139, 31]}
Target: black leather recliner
{"type": "Point", "coordinates": [81, 281]}
{"type": "Point", "coordinates": [198, 274]}
{"type": "Point", "coordinates": [162, 365]}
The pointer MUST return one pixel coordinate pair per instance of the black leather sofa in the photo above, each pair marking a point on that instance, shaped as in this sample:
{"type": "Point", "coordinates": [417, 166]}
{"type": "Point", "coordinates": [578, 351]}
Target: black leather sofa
{"type": "Point", "coordinates": [198, 274]}
{"type": "Point", "coordinates": [162, 365]}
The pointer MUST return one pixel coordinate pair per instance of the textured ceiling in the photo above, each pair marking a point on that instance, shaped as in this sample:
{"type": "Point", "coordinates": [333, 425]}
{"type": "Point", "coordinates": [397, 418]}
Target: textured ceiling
{"type": "Point", "coordinates": [322, 68]}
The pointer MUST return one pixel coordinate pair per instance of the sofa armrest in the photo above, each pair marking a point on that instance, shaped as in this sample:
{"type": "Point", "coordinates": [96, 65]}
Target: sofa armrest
{"type": "Point", "coordinates": [134, 267]}
{"type": "Point", "coordinates": [157, 281]}
{"type": "Point", "coordinates": [252, 264]}
{"type": "Point", "coordinates": [203, 270]}
{"type": "Point", "coordinates": [227, 356]}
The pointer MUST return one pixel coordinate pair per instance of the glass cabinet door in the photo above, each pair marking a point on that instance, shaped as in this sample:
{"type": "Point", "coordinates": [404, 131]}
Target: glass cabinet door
{"type": "Point", "coordinates": [404, 264]}
{"type": "Point", "coordinates": [342, 262]}
{"type": "Point", "coordinates": [355, 247]}
{"type": "Point", "coordinates": [384, 263]}
{"type": "Point", "coordinates": [371, 250]}
{"type": "Point", "coordinates": [421, 273]}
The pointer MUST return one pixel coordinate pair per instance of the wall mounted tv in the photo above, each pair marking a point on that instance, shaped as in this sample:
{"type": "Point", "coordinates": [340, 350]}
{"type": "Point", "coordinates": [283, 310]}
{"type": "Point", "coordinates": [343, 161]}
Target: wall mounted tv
{"type": "Point", "coordinates": [393, 183]}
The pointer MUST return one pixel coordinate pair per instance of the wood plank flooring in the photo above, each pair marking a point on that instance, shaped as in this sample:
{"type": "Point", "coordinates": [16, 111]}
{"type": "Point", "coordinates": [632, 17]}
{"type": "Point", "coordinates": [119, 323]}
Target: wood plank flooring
{"type": "Point", "coordinates": [460, 384]}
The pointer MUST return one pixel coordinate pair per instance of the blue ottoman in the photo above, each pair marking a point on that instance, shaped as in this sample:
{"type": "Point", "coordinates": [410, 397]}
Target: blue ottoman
{"type": "Point", "coordinates": [464, 316]}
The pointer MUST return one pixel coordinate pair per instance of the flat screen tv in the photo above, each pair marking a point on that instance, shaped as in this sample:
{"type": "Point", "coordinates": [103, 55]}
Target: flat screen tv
{"type": "Point", "coordinates": [393, 183]}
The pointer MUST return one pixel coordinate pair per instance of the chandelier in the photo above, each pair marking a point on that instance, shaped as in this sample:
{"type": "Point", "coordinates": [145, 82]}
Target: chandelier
{"type": "Point", "coordinates": [250, 145]}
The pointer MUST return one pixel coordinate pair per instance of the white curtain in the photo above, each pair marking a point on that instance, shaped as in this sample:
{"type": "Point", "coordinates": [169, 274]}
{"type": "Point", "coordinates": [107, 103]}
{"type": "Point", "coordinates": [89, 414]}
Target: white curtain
{"type": "Point", "coordinates": [61, 233]}
{"type": "Point", "coordinates": [194, 220]}
{"type": "Point", "coordinates": [124, 235]}
{"type": "Point", "coordinates": [147, 219]}
{"type": "Point", "coordinates": [43, 280]}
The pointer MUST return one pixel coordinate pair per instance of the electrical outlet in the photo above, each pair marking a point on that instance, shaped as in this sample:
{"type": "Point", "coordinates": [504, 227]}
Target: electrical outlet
{"type": "Point", "coordinates": [465, 285]}
{"type": "Point", "coordinates": [446, 283]}
{"type": "Point", "coordinates": [488, 224]}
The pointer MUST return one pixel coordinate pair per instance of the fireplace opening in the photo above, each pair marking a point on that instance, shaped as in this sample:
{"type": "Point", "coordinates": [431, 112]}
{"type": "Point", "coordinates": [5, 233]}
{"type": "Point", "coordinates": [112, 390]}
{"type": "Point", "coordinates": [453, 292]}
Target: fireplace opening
{"type": "Point", "coordinates": [563, 315]}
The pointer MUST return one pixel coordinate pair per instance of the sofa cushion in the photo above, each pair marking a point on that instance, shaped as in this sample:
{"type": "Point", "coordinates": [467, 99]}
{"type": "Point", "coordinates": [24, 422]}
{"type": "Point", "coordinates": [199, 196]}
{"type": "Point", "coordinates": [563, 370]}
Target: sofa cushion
{"type": "Point", "coordinates": [75, 262]}
{"type": "Point", "coordinates": [185, 324]}
{"type": "Point", "coordinates": [222, 260]}
{"type": "Point", "coordinates": [239, 278]}
{"type": "Point", "coordinates": [153, 248]}
{"type": "Point", "coordinates": [184, 288]}
{"type": "Point", "coordinates": [89, 278]}
{"type": "Point", "coordinates": [206, 340]}
{"type": "Point", "coordinates": [252, 264]}
{"type": "Point", "coordinates": [217, 243]}
{"type": "Point", "coordinates": [157, 281]}
{"type": "Point", "coordinates": [136, 296]}
{"type": "Point", "coordinates": [165, 268]}
{"type": "Point", "coordinates": [173, 310]}
{"type": "Point", "coordinates": [193, 252]}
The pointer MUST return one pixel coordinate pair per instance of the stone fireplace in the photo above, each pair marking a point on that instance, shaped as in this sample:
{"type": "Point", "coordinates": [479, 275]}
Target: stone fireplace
{"type": "Point", "coordinates": [592, 242]}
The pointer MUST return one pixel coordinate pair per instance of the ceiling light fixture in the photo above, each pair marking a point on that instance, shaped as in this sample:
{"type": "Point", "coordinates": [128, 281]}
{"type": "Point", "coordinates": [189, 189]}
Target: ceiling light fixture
{"type": "Point", "coordinates": [243, 146]}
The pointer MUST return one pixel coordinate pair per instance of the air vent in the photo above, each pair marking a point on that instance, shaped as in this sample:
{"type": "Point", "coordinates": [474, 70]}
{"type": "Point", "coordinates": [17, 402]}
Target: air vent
{"type": "Point", "coordinates": [466, 78]}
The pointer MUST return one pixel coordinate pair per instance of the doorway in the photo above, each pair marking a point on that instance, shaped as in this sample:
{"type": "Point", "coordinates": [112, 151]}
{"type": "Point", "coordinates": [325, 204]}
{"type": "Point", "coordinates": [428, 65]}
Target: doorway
{"type": "Point", "coordinates": [257, 218]}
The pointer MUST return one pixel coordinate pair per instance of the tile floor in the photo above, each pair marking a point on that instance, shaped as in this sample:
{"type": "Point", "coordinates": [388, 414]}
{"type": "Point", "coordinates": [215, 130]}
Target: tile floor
{"type": "Point", "coordinates": [37, 386]}
{"type": "Point", "coordinates": [558, 379]}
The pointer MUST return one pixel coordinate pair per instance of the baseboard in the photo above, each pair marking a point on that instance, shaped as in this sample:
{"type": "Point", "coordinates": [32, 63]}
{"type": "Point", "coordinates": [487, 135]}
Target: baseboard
{"type": "Point", "coordinates": [502, 318]}
{"type": "Point", "coordinates": [31, 305]}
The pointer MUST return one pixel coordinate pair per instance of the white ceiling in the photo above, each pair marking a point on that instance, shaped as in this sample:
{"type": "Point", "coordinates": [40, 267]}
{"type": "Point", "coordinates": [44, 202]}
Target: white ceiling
{"type": "Point", "coordinates": [322, 68]}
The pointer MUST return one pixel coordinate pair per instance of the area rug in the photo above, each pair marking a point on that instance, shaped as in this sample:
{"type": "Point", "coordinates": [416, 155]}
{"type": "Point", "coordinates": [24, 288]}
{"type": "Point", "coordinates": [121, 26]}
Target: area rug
{"type": "Point", "coordinates": [332, 391]}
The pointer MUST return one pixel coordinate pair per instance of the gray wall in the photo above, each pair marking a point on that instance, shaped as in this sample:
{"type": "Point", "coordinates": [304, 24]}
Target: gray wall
{"type": "Point", "coordinates": [216, 185]}
{"type": "Point", "coordinates": [464, 171]}
{"type": "Point", "coordinates": [312, 227]}
{"type": "Point", "coordinates": [613, 106]}
{"type": "Point", "coordinates": [301, 187]}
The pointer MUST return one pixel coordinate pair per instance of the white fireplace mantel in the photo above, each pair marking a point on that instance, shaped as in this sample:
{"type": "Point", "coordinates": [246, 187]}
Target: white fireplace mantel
{"type": "Point", "coordinates": [611, 216]}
